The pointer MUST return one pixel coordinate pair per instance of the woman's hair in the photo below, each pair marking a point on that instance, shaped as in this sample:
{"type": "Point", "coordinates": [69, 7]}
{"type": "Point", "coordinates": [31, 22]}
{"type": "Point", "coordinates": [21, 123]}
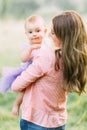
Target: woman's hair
{"type": "Point", "coordinates": [69, 28]}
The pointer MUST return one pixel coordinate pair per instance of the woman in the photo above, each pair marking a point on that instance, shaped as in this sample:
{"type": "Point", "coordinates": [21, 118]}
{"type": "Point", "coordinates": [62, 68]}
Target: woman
{"type": "Point", "coordinates": [53, 74]}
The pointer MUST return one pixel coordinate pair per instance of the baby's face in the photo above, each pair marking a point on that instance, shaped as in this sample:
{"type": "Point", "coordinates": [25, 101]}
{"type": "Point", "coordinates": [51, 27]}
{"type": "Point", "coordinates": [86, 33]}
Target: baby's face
{"type": "Point", "coordinates": [35, 32]}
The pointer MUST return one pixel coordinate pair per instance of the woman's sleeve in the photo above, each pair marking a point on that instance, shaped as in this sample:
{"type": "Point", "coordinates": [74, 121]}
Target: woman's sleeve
{"type": "Point", "coordinates": [37, 69]}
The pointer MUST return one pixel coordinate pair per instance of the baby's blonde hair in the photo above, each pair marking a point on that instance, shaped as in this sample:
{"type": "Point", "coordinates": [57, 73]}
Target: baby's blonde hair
{"type": "Point", "coordinates": [34, 18]}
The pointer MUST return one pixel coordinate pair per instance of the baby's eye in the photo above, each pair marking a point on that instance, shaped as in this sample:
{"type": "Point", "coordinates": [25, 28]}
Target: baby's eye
{"type": "Point", "coordinates": [38, 30]}
{"type": "Point", "coordinates": [29, 31]}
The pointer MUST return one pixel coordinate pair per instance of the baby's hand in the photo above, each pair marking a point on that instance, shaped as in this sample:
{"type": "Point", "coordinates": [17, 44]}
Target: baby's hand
{"type": "Point", "coordinates": [35, 46]}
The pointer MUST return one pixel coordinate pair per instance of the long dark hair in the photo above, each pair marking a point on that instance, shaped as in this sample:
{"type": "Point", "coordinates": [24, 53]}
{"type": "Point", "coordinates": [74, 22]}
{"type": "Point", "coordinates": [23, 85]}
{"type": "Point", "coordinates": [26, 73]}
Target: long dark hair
{"type": "Point", "coordinates": [69, 28]}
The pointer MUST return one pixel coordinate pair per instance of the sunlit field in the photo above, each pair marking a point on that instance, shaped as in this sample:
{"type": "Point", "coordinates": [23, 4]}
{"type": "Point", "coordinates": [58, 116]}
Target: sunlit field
{"type": "Point", "coordinates": [11, 38]}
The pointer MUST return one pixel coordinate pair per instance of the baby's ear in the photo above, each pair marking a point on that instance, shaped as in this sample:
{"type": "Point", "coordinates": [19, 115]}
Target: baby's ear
{"type": "Point", "coordinates": [45, 30]}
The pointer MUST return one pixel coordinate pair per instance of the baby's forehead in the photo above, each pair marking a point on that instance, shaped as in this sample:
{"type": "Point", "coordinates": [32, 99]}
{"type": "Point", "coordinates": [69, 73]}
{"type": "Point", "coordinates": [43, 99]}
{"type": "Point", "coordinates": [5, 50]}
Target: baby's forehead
{"type": "Point", "coordinates": [38, 24]}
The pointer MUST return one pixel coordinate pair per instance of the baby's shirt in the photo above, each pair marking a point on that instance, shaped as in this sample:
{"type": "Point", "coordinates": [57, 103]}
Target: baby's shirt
{"type": "Point", "coordinates": [34, 52]}
{"type": "Point", "coordinates": [25, 64]}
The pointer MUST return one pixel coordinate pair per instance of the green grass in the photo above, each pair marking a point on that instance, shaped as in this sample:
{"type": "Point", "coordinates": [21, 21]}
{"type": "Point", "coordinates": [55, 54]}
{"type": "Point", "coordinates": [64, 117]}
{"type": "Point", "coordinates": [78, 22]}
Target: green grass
{"type": "Point", "coordinates": [11, 37]}
{"type": "Point", "coordinates": [77, 112]}
{"type": "Point", "coordinates": [7, 120]}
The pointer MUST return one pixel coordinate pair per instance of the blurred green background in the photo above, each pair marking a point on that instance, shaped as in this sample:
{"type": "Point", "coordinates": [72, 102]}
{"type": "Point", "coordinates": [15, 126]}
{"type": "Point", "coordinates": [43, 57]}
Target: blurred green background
{"type": "Point", "coordinates": [12, 17]}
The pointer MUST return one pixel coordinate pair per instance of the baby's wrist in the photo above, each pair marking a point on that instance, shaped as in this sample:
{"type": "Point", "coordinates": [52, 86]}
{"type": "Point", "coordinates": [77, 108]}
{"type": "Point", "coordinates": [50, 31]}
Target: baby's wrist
{"type": "Point", "coordinates": [30, 48]}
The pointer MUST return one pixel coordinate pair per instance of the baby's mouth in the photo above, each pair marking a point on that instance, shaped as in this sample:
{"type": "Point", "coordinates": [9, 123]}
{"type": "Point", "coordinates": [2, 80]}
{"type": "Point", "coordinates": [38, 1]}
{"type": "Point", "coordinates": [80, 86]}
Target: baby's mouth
{"type": "Point", "coordinates": [36, 38]}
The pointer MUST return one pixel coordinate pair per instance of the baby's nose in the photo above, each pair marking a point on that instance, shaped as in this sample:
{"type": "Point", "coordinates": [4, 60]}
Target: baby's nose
{"type": "Point", "coordinates": [34, 33]}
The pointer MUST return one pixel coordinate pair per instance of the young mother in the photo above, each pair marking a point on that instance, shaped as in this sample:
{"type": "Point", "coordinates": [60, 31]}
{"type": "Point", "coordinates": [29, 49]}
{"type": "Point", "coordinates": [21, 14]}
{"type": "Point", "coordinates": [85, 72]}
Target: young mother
{"type": "Point", "coordinates": [53, 74]}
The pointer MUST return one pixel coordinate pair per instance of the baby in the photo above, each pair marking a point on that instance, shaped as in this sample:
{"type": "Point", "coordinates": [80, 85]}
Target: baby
{"type": "Point", "coordinates": [35, 30]}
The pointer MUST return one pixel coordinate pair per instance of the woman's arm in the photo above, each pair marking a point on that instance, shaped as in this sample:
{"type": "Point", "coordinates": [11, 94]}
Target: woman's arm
{"type": "Point", "coordinates": [37, 69]}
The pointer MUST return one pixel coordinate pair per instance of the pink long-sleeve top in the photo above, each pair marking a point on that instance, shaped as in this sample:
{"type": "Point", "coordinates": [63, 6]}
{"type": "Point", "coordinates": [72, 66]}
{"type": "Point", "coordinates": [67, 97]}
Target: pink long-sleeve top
{"type": "Point", "coordinates": [44, 101]}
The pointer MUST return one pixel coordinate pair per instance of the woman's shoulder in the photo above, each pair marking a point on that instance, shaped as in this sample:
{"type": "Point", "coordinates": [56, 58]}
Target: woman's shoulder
{"type": "Point", "coordinates": [45, 54]}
